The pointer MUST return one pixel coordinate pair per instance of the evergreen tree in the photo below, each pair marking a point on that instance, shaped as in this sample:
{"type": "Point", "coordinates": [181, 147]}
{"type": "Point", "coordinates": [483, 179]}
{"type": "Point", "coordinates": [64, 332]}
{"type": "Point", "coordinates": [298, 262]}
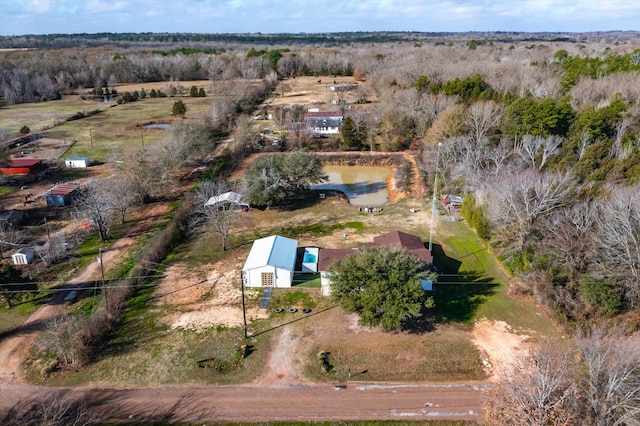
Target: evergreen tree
{"type": "Point", "coordinates": [382, 285]}
{"type": "Point", "coordinates": [179, 109]}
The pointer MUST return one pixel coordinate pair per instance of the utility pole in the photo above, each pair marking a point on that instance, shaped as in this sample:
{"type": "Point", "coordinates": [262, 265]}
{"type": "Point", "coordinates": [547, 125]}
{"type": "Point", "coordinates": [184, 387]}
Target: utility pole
{"type": "Point", "coordinates": [433, 202]}
{"type": "Point", "coordinates": [244, 310]}
{"type": "Point", "coordinates": [104, 289]}
{"type": "Point", "coordinates": [142, 136]}
{"type": "Point", "coordinates": [46, 225]}
{"type": "Point", "coordinates": [91, 137]}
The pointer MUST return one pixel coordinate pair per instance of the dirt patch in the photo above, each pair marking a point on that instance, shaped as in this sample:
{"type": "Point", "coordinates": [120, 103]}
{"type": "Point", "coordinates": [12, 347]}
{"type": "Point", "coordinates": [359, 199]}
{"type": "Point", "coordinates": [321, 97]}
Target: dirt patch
{"type": "Point", "coordinates": [315, 92]}
{"type": "Point", "coordinates": [44, 148]}
{"type": "Point", "coordinates": [282, 362]}
{"type": "Point", "coordinates": [207, 298]}
{"type": "Point", "coordinates": [499, 346]}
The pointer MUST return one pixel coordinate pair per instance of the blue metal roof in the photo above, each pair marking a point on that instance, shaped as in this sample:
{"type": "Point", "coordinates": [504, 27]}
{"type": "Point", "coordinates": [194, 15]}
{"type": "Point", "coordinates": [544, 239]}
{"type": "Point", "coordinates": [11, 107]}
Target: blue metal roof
{"type": "Point", "coordinates": [276, 251]}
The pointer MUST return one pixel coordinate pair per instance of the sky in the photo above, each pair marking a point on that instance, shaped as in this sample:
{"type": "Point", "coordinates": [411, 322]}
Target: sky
{"type": "Point", "coordinates": [19, 17]}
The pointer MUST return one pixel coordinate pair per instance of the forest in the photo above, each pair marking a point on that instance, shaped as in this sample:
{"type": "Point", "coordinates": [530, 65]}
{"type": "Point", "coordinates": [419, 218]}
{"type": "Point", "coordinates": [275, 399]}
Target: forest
{"type": "Point", "coordinates": [539, 132]}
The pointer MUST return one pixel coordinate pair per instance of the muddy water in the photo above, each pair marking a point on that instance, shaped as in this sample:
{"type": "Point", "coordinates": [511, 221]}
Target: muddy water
{"type": "Point", "coordinates": [364, 185]}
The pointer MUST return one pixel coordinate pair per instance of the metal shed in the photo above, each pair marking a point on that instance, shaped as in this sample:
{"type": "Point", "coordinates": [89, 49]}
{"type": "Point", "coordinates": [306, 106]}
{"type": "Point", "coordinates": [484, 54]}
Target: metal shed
{"type": "Point", "coordinates": [270, 263]}
{"type": "Point", "coordinates": [77, 162]}
{"type": "Point", "coordinates": [61, 195]}
{"type": "Point", "coordinates": [22, 256]}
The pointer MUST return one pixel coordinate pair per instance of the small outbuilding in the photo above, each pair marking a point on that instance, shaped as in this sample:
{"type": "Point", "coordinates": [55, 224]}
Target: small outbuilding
{"type": "Point", "coordinates": [77, 162]}
{"type": "Point", "coordinates": [228, 201]}
{"type": "Point", "coordinates": [22, 256]}
{"type": "Point", "coordinates": [62, 194]}
{"type": "Point", "coordinates": [271, 262]}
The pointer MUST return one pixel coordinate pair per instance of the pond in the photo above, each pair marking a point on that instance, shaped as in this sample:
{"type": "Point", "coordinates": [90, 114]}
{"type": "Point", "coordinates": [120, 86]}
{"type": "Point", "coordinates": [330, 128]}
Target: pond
{"type": "Point", "coordinates": [156, 126]}
{"type": "Point", "coordinates": [363, 185]}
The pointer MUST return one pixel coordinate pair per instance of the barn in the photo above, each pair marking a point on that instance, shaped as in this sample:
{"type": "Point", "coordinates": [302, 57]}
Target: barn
{"type": "Point", "coordinates": [62, 194]}
{"type": "Point", "coordinates": [77, 162]}
{"type": "Point", "coordinates": [270, 263]}
{"type": "Point", "coordinates": [22, 166]}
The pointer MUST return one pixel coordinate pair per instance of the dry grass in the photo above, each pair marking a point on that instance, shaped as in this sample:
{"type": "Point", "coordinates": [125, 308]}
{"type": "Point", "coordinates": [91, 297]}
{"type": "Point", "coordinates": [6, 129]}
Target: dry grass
{"type": "Point", "coordinates": [371, 354]}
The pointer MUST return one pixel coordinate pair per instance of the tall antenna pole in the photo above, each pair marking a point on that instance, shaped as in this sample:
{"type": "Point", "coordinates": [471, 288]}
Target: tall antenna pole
{"type": "Point", "coordinates": [433, 202]}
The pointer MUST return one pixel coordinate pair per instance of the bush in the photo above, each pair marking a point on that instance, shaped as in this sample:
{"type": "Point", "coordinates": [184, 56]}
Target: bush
{"type": "Point", "coordinates": [475, 216]}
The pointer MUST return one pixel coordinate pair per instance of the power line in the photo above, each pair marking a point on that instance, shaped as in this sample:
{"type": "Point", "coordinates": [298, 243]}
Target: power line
{"type": "Point", "coordinates": [70, 286]}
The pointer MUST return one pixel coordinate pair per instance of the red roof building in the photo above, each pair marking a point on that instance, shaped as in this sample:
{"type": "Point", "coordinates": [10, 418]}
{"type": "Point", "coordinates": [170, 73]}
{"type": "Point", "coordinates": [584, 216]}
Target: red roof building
{"type": "Point", "coordinates": [22, 166]}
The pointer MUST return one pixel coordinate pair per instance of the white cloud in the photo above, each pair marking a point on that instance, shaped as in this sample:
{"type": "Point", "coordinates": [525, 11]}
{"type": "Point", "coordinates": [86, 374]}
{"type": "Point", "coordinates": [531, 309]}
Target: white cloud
{"type": "Point", "coordinates": [39, 6]}
{"type": "Point", "coordinates": [268, 16]}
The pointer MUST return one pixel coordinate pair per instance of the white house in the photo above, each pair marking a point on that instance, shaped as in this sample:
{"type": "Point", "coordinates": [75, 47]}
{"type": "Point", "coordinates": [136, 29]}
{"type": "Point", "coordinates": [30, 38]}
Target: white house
{"type": "Point", "coordinates": [323, 122]}
{"type": "Point", "coordinates": [77, 162]}
{"type": "Point", "coordinates": [270, 263]}
{"type": "Point", "coordinates": [228, 201]}
{"type": "Point", "coordinates": [22, 256]}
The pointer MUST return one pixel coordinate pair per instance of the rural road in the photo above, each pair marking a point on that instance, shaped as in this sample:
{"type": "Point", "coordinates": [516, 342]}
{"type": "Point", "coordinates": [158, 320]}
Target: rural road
{"type": "Point", "coordinates": [346, 401]}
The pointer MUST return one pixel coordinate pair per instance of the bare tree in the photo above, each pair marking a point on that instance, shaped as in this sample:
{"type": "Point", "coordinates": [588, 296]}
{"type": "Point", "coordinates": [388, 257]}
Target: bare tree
{"type": "Point", "coordinates": [97, 203]}
{"type": "Point", "coordinates": [53, 250]}
{"type": "Point", "coordinates": [10, 237]}
{"type": "Point", "coordinates": [611, 386]}
{"type": "Point", "coordinates": [569, 236]}
{"type": "Point", "coordinates": [520, 200]}
{"type": "Point", "coordinates": [51, 408]}
{"type": "Point", "coordinates": [583, 144]}
{"type": "Point", "coordinates": [498, 155]}
{"type": "Point", "coordinates": [221, 111]}
{"type": "Point", "coordinates": [483, 118]}
{"type": "Point", "coordinates": [61, 338]}
{"type": "Point", "coordinates": [537, 390]}
{"type": "Point", "coordinates": [124, 194]}
{"type": "Point", "coordinates": [621, 128]}
{"type": "Point", "coordinates": [220, 217]}
{"type": "Point", "coordinates": [618, 237]}
{"type": "Point", "coordinates": [538, 149]}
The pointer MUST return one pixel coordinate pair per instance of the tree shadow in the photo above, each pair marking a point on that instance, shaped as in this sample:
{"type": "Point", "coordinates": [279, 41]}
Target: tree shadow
{"type": "Point", "coordinates": [457, 298]}
{"type": "Point", "coordinates": [133, 330]}
{"type": "Point", "coordinates": [102, 406]}
{"type": "Point", "coordinates": [457, 295]}
{"type": "Point", "coordinates": [305, 199]}
{"type": "Point", "coordinates": [444, 263]}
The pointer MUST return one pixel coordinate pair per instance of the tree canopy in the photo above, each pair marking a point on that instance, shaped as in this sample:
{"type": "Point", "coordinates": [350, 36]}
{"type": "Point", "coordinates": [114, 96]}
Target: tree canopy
{"type": "Point", "coordinates": [271, 179]}
{"type": "Point", "coordinates": [544, 117]}
{"type": "Point", "coordinates": [382, 285]}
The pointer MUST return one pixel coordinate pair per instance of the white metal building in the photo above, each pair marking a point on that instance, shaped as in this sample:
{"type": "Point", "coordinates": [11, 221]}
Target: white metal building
{"type": "Point", "coordinates": [22, 256]}
{"type": "Point", "coordinates": [77, 162]}
{"type": "Point", "coordinates": [228, 201]}
{"type": "Point", "coordinates": [270, 263]}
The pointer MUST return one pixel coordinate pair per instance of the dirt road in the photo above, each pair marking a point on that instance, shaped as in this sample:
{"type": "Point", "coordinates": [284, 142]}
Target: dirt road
{"type": "Point", "coordinates": [344, 401]}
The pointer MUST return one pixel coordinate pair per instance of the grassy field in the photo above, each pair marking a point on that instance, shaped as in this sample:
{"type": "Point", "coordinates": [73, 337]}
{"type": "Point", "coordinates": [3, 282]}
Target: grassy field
{"type": "Point", "coordinates": [110, 133]}
{"type": "Point", "coordinates": [465, 259]}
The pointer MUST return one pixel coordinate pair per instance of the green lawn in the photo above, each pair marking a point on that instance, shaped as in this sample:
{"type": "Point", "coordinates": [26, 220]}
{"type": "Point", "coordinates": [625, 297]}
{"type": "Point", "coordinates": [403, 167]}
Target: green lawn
{"type": "Point", "coordinates": [478, 283]}
{"type": "Point", "coordinates": [104, 136]}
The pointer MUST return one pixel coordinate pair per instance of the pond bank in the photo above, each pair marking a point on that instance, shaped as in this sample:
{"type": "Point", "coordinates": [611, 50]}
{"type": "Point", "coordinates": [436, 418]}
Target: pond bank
{"type": "Point", "coordinates": [405, 179]}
